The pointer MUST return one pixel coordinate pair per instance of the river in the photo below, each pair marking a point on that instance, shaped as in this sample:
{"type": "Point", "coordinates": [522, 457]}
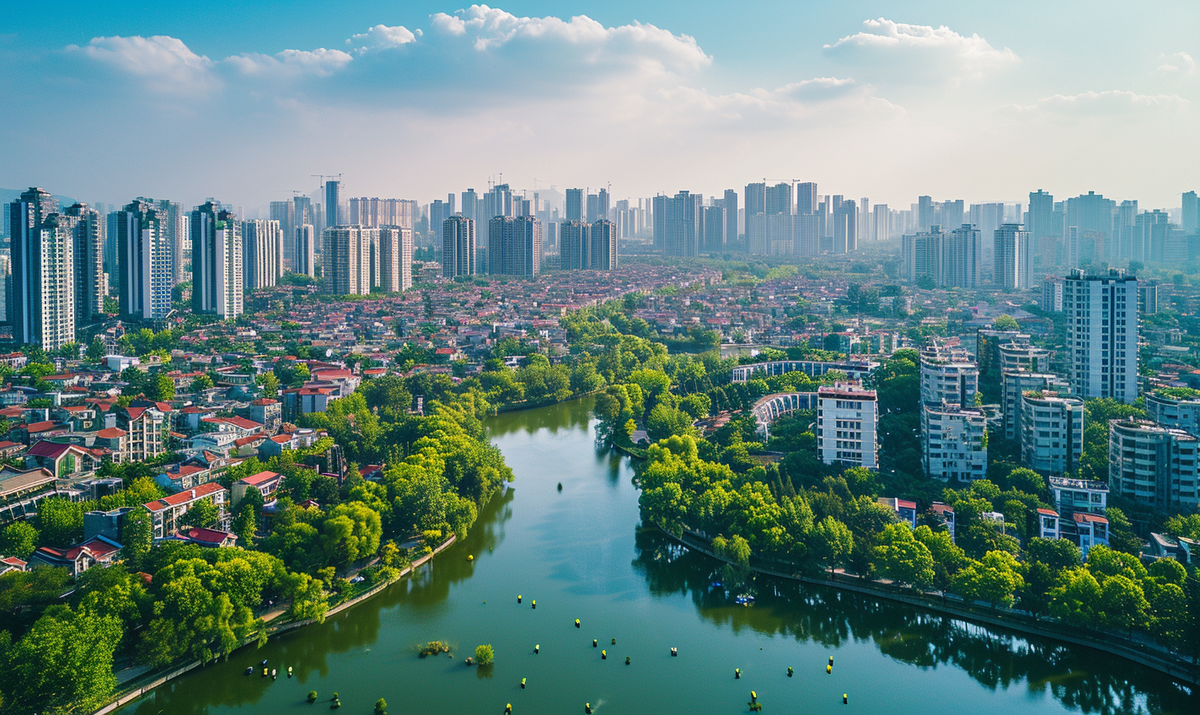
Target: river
{"type": "Point", "coordinates": [582, 554]}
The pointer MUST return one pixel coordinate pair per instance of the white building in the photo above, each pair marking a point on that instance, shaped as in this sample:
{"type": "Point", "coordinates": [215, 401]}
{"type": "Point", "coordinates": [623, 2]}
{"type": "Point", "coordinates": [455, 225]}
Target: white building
{"type": "Point", "coordinates": [262, 253]}
{"type": "Point", "coordinates": [1015, 384]}
{"type": "Point", "coordinates": [847, 419]}
{"type": "Point", "coordinates": [395, 259]}
{"type": "Point", "coordinates": [1072, 495]}
{"type": "Point", "coordinates": [458, 247]}
{"type": "Point", "coordinates": [1051, 432]}
{"type": "Point", "coordinates": [954, 443]}
{"type": "Point", "coordinates": [1178, 409]}
{"type": "Point", "coordinates": [347, 254]}
{"type": "Point", "coordinates": [1012, 257]}
{"type": "Point", "coordinates": [1153, 465]}
{"type": "Point", "coordinates": [304, 252]}
{"type": "Point", "coordinates": [217, 281]}
{"type": "Point", "coordinates": [1052, 294]}
{"type": "Point", "coordinates": [1102, 334]}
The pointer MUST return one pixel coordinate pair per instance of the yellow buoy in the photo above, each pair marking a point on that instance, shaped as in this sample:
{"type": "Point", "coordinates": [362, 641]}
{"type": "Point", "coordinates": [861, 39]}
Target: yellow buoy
{"type": "Point", "coordinates": [522, 683]}
{"type": "Point", "coordinates": [470, 557]}
{"type": "Point", "coordinates": [593, 642]}
{"type": "Point", "coordinates": [603, 655]}
{"type": "Point", "coordinates": [845, 699]}
{"type": "Point", "coordinates": [587, 707]}
{"type": "Point", "coordinates": [831, 660]}
{"type": "Point", "coordinates": [789, 671]}
{"type": "Point", "coordinates": [753, 696]}
{"type": "Point", "coordinates": [737, 673]}
{"type": "Point", "coordinates": [829, 669]}
{"type": "Point", "coordinates": [508, 708]}
{"type": "Point", "coordinates": [535, 603]}
{"type": "Point", "coordinates": [576, 622]}
{"type": "Point", "coordinates": [536, 648]}
{"type": "Point", "coordinates": [518, 598]}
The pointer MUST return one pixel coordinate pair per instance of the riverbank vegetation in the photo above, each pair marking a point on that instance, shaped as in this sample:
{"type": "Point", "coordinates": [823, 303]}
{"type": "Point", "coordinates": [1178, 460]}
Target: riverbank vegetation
{"type": "Point", "coordinates": [175, 602]}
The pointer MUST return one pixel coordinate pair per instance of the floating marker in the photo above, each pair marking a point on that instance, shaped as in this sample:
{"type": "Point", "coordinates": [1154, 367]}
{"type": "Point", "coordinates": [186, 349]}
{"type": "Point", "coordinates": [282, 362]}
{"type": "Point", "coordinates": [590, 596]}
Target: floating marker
{"type": "Point", "coordinates": [753, 696]}
{"type": "Point", "coordinates": [518, 598]}
{"type": "Point", "coordinates": [831, 660]}
{"type": "Point", "coordinates": [536, 648]}
{"type": "Point", "coordinates": [508, 708]}
{"type": "Point", "coordinates": [626, 660]}
{"type": "Point", "coordinates": [587, 707]}
{"type": "Point", "coordinates": [264, 672]}
{"type": "Point", "coordinates": [560, 486]}
{"type": "Point", "coordinates": [789, 671]}
{"type": "Point", "coordinates": [576, 622]}
{"type": "Point", "coordinates": [674, 652]}
{"type": "Point", "coordinates": [535, 603]}
{"type": "Point", "coordinates": [845, 699]}
{"type": "Point", "coordinates": [289, 671]}
{"type": "Point", "coordinates": [603, 655]}
{"type": "Point", "coordinates": [593, 642]}
{"type": "Point", "coordinates": [737, 673]}
{"type": "Point", "coordinates": [614, 641]}
{"type": "Point", "coordinates": [829, 669]}
{"type": "Point", "coordinates": [470, 557]}
{"type": "Point", "coordinates": [522, 685]}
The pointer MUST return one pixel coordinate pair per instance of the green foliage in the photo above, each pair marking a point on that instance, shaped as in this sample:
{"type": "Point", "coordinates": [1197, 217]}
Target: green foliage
{"type": "Point", "coordinates": [60, 521]}
{"type": "Point", "coordinates": [485, 654]}
{"type": "Point", "coordinates": [994, 579]}
{"type": "Point", "coordinates": [900, 557]}
{"type": "Point", "coordinates": [137, 537]}
{"type": "Point", "coordinates": [64, 663]}
{"type": "Point", "coordinates": [19, 539]}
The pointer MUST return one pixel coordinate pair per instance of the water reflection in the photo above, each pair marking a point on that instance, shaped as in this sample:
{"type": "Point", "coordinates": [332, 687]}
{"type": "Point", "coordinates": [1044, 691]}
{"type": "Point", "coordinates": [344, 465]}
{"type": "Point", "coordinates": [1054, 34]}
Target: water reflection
{"type": "Point", "coordinates": [1080, 678]}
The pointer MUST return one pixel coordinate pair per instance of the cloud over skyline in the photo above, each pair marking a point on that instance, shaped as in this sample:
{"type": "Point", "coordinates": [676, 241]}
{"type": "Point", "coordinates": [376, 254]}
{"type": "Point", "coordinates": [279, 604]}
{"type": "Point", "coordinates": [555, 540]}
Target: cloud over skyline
{"type": "Point", "coordinates": [884, 109]}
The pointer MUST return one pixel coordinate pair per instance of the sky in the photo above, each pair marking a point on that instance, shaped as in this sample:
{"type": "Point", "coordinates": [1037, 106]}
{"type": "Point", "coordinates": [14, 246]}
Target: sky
{"type": "Point", "coordinates": [246, 101]}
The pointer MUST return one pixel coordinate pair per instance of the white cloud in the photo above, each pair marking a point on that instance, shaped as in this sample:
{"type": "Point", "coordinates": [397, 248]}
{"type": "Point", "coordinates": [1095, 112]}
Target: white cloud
{"type": "Point", "coordinates": [1112, 101]}
{"type": "Point", "coordinates": [382, 37]}
{"type": "Point", "coordinates": [163, 63]}
{"type": "Point", "coordinates": [1178, 64]}
{"type": "Point", "coordinates": [291, 63]}
{"type": "Point", "coordinates": [907, 52]}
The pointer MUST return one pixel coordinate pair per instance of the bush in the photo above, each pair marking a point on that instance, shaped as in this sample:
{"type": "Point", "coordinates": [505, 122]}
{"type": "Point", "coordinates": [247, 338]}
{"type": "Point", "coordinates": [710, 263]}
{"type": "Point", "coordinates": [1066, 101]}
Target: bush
{"type": "Point", "coordinates": [380, 706]}
{"type": "Point", "coordinates": [484, 654]}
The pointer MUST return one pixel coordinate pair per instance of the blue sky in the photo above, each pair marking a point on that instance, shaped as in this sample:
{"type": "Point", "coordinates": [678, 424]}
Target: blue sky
{"type": "Point", "coordinates": [243, 101]}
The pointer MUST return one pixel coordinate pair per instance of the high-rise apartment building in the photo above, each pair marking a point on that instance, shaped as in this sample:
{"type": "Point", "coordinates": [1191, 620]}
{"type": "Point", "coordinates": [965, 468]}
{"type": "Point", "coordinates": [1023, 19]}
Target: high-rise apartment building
{"type": "Point", "coordinates": [217, 281]}
{"type": "Point", "coordinates": [458, 247]}
{"type": "Point", "coordinates": [574, 245]}
{"type": "Point", "coordinates": [1052, 294]}
{"type": "Point", "coordinates": [925, 213]}
{"type": "Point", "coordinates": [961, 258]}
{"type": "Point", "coordinates": [845, 228]}
{"type": "Point", "coordinates": [806, 198]}
{"type": "Point", "coordinates": [1012, 256]}
{"type": "Point", "coordinates": [285, 213]}
{"type": "Point", "coordinates": [1018, 381]}
{"type": "Point", "coordinates": [847, 422]}
{"type": "Point", "coordinates": [1153, 465]}
{"type": "Point", "coordinates": [146, 266]}
{"type": "Point", "coordinates": [680, 221]}
{"type": "Point", "coordinates": [730, 204]}
{"type": "Point", "coordinates": [1189, 219]}
{"type": "Point", "coordinates": [880, 223]}
{"type": "Point", "coordinates": [757, 241]}
{"type": "Point", "coordinates": [514, 246]}
{"type": "Point", "coordinates": [42, 309]}
{"type": "Point", "coordinates": [1102, 334]}
{"type": "Point", "coordinates": [714, 229]}
{"type": "Point", "coordinates": [1092, 214]}
{"type": "Point", "coordinates": [262, 253]}
{"type": "Point", "coordinates": [574, 205]}
{"type": "Point", "coordinates": [1051, 432]}
{"type": "Point", "coordinates": [604, 246]}
{"type": "Point", "coordinates": [395, 259]}
{"type": "Point", "coordinates": [348, 254]}
{"type": "Point", "coordinates": [90, 284]}
{"type": "Point", "coordinates": [953, 442]}
{"type": "Point", "coordinates": [172, 225]}
{"type": "Point", "coordinates": [333, 203]}
{"type": "Point", "coordinates": [304, 251]}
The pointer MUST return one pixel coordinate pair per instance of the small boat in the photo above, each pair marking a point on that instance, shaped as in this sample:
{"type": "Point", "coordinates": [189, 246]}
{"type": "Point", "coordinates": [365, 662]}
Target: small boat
{"type": "Point", "coordinates": [289, 671]}
{"type": "Point", "coordinates": [264, 663]}
{"type": "Point", "coordinates": [274, 674]}
{"type": "Point", "coordinates": [717, 584]}
{"type": "Point", "coordinates": [264, 673]}
{"type": "Point", "coordinates": [249, 669]}
{"type": "Point", "coordinates": [744, 600]}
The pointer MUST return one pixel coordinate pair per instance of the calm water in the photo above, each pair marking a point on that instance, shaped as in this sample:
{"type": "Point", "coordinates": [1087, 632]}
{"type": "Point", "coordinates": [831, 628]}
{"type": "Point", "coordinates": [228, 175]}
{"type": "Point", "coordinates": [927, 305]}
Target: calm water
{"type": "Point", "coordinates": [581, 554]}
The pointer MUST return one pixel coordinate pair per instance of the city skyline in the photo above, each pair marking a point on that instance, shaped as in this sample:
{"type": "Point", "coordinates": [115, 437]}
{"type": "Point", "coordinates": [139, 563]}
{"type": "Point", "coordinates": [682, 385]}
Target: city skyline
{"type": "Point", "coordinates": [878, 100]}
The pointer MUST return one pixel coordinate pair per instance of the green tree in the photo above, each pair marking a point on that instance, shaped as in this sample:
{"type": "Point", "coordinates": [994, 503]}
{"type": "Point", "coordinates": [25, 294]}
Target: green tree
{"type": "Point", "coordinates": [96, 350]}
{"type": "Point", "coordinates": [203, 513]}
{"type": "Point", "coordinates": [831, 542]}
{"type": "Point", "coordinates": [995, 579]}
{"type": "Point", "coordinates": [1005, 322]}
{"type": "Point", "coordinates": [900, 557]}
{"type": "Point", "coordinates": [162, 389]}
{"type": "Point", "coordinates": [351, 532]}
{"type": "Point", "coordinates": [1123, 604]}
{"type": "Point", "coordinates": [201, 383]}
{"type": "Point", "coordinates": [665, 421]}
{"type": "Point", "coordinates": [1057, 554]}
{"type": "Point", "coordinates": [1076, 598]}
{"type": "Point", "coordinates": [245, 524]}
{"type": "Point", "coordinates": [137, 536]}
{"type": "Point", "coordinates": [60, 521]}
{"type": "Point", "coordinates": [19, 539]}
{"type": "Point", "coordinates": [64, 664]}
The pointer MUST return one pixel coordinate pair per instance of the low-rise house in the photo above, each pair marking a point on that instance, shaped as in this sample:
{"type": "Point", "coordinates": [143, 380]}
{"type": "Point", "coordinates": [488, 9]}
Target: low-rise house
{"type": "Point", "coordinates": [905, 510]}
{"type": "Point", "coordinates": [209, 538]}
{"type": "Point", "coordinates": [64, 461]}
{"type": "Point", "coordinates": [167, 512]}
{"type": "Point", "coordinates": [97, 551]}
{"type": "Point", "coordinates": [1092, 530]}
{"type": "Point", "coordinates": [11, 563]}
{"type": "Point", "coordinates": [266, 483]}
{"type": "Point", "coordinates": [106, 523]}
{"type": "Point", "coordinates": [267, 412]}
{"type": "Point", "coordinates": [146, 429]}
{"type": "Point", "coordinates": [945, 514]}
{"type": "Point", "coordinates": [1048, 524]}
{"type": "Point", "coordinates": [21, 490]}
{"type": "Point", "coordinates": [176, 478]}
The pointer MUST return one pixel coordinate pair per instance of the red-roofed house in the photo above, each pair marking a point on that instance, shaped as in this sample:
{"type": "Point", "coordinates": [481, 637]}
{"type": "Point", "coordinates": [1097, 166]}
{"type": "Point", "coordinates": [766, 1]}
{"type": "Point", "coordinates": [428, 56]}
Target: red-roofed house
{"type": "Point", "coordinates": [165, 513]}
{"type": "Point", "coordinates": [267, 411]}
{"type": "Point", "coordinates": [1092, 529]}
{"type": "Point", "coordinates": [11, 563]}
{"type": "Point", "coordinates": [96, 551]}
{"type": "Point", "coordinates": [210, 538]}
{"type": "Point", "coordinates": [267, 483]}
{"type": "Point", "coordinates": [1048, 524]}
{"type": "Point", "coordinates": [64, 461]}
{"type": "Point", "coordinates": [176, 478]}
{"type": "Point", "coordinates": [238, 426]}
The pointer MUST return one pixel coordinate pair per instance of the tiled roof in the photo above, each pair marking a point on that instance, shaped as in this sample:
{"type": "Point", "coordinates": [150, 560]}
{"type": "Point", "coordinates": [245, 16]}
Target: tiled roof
{"type": "Point", "coordinates": [185, 497]}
